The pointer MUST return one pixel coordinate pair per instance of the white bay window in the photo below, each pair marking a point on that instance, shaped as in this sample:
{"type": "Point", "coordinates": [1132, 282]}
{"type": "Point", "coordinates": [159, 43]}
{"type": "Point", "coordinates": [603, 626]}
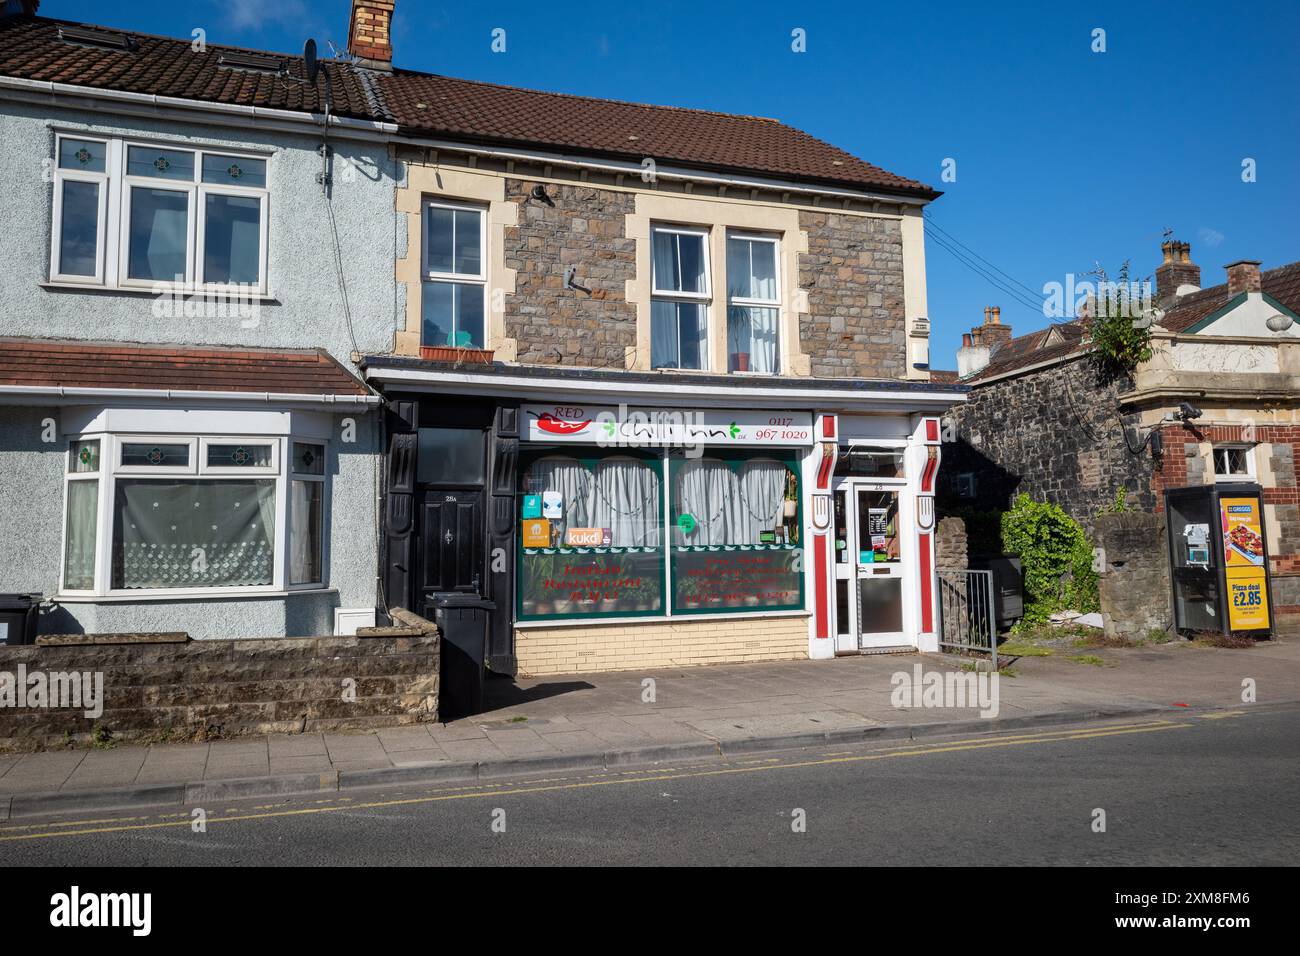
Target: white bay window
{"type": "Point", "coordinates": [172, 514]}
{"type": "Point", "coordinates": [143, 215]}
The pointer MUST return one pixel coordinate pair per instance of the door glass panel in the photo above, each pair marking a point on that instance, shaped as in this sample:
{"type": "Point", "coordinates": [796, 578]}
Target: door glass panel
{"type": "Point", "coordinates": [843, 625]}
{"type": "Point", "coordinates": [881, 605]}
{"type": "Point", "coordinates": [877, 527]}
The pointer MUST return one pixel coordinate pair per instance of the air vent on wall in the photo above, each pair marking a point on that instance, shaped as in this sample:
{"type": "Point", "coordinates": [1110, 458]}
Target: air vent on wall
{"type": "Point", "coordinates": [107, 39]}
{"type": "Point", "coordinates": [251, 61]}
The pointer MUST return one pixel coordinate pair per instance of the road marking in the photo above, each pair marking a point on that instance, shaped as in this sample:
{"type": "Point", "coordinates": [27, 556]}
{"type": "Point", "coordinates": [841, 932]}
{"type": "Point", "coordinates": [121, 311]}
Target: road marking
{"type": "Point", "coordinates": [550, 785]}
{"type": "Point", "coordinates": [1221, 715]}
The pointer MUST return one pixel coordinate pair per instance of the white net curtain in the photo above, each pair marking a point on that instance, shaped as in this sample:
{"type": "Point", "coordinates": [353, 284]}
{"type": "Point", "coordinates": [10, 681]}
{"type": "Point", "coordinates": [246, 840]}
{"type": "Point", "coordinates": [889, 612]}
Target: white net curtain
{"type": "Point", "coordinates": [187, 533]}
{"type": "Point", "coordinates": [622, 494]}
{"type": "Point", "coordinates": [729, 506]}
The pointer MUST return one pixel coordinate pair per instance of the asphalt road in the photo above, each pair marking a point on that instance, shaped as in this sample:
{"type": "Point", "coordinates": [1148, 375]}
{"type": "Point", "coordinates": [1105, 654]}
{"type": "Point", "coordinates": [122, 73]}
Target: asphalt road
{"type": "Point", "coordinates": [1208, 789]}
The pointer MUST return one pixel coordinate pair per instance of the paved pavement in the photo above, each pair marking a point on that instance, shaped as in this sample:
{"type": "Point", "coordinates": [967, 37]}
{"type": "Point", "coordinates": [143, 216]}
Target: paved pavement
{"type": "Point", "coordinates": [605, 720]}
{"type": "Point", "coordinates": [1213, 788]}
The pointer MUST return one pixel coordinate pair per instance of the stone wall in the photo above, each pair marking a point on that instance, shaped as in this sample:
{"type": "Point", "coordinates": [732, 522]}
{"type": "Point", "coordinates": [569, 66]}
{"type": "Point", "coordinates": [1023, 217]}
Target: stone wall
{"type": "Point", "coordinates": [582, 227]}
{"type": "Point", "coordinates": [1052, 434]}
{"type": "Point", "coordinates": [1134, 584]}
{"type": "Point", "coordinates": [950, 547]}
{"type": "Point", "coordinates": [167, 687]}
{"type": "Point", "coordinates": [853, 275]}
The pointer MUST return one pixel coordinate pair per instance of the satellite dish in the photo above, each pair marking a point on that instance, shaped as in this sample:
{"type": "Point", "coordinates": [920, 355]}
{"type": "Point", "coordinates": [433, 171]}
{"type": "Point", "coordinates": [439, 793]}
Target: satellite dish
{"type": "Point", "coordinates": [310, 63]}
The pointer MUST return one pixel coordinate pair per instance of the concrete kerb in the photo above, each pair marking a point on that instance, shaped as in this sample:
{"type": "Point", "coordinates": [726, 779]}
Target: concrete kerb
{"type": "Point", "coordinates": [40, 804]}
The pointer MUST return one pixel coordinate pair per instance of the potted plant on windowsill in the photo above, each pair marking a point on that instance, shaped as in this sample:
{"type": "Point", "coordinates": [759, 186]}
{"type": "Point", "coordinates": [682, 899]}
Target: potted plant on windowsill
{"type": "Point", "coordinates": [740, 361]}
{"type": "Point", "coordinates": [460, 349]}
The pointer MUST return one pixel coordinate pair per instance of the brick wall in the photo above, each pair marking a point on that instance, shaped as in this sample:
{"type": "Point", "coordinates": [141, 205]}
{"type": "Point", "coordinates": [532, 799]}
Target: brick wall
{"type": "Point", "coordinates": [853, 275]}
{"type": "Point", "coordinates": [616, 647]}
{"type": "Point", "coordinates": [582, 227]}
{"type": "Point", "coordinates": [1052, 434]}
{"type": "Point", "coordinates": [175, 688]}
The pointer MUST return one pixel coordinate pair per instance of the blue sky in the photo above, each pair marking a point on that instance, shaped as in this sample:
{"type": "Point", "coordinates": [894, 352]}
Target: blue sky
{"type": "Point", "coordinates": [1065, 158]}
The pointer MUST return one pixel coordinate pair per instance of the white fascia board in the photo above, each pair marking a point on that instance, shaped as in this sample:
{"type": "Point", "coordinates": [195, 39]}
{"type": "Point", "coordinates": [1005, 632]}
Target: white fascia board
{"type": "Point", "coordinates": [716, 396]}
{"type": "Point", "coordinates": [65, 395]}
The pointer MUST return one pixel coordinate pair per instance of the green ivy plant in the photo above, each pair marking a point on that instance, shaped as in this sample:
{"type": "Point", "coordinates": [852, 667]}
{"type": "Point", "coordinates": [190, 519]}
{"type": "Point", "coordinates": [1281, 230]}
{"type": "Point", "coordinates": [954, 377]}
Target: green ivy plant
{"type": "Point", "coordinates": [1120, 333]}
{"type": "Point", "coordinates": [1056, 558]}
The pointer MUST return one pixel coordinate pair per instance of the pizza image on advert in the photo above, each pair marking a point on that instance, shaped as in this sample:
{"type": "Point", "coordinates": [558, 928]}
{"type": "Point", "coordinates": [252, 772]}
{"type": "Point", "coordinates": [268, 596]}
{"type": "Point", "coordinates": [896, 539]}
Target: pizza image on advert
{"type": "Point", "coordinates": [1247, 543]}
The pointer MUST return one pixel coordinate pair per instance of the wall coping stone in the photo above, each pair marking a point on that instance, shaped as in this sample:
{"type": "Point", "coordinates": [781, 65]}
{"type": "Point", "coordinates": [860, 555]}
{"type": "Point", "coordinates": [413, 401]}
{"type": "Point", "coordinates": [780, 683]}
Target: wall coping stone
{"type": "Point", "coordinates": [143, 637]}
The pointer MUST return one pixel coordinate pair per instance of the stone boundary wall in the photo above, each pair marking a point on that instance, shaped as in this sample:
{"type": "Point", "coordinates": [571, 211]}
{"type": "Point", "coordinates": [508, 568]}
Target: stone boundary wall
{"type": "Point", "coordinates": [1134, 584]}
{"type": "Point", "coordinates": [161, 687]}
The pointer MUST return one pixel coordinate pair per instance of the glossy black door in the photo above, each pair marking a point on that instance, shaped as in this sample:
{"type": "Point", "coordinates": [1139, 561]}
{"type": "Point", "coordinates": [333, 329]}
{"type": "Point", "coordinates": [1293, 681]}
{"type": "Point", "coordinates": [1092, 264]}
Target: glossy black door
{"type": "Point", "coordinates": [451, 538]}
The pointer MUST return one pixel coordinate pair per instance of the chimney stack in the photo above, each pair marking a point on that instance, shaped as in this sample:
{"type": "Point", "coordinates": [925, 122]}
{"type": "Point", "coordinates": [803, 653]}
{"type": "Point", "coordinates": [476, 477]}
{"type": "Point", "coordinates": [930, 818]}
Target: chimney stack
{"type": "Point", "coordinates": [1243, 276]}
{"type": "Point", "coordinates": [370, 33]}
{"type": "Point", "coordinates": [993, 333]}
{"type": "Point", "coordinates": [1177, 274]}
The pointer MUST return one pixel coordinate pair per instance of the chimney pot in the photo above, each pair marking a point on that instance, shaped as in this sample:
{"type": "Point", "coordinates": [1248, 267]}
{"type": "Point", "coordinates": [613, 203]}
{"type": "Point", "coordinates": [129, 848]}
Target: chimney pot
{"type": "Point", "coordinates": [966, 340]}
{"type": "Point", "coordinates": [1176, 271]}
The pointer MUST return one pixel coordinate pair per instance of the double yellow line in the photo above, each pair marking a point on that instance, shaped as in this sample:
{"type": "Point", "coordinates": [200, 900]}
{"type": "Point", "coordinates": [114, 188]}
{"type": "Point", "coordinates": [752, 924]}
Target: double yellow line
{"type": "Point", "coordinates": [48, 830]}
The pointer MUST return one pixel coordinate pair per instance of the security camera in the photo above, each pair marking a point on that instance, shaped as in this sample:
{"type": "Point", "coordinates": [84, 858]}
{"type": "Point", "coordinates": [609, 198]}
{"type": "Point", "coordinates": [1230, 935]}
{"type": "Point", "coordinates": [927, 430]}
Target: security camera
{"type": "Point", "coordinates": [539, 192]}
{"type": "Point", "coordinates": [1187, 411]}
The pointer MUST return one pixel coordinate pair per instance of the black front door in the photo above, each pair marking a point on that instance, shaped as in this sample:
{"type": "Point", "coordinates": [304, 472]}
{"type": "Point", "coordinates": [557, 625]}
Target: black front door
{"type": "Point", "coordinates": [451, 538]}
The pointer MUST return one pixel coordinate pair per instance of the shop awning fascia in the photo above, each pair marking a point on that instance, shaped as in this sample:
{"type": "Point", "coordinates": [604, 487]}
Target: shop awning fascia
{"type": "Point", "coordinates": [848, 395]}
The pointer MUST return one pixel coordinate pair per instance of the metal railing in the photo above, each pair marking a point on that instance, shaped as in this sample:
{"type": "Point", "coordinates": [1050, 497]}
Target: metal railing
{"type": "Point", "coordinates": [966, 613]}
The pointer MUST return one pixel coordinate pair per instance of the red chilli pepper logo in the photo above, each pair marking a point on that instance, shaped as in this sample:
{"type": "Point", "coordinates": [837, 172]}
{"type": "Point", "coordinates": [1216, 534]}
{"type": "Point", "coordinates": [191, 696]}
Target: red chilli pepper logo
{"type": "Point", "coordinates": [558, 426]}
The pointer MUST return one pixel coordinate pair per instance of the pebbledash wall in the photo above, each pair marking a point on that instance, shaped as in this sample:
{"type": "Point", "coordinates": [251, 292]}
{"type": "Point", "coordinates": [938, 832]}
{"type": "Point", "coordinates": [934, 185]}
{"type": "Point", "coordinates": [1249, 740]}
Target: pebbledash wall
{"type": "Point", "coordinates": [305, 311]}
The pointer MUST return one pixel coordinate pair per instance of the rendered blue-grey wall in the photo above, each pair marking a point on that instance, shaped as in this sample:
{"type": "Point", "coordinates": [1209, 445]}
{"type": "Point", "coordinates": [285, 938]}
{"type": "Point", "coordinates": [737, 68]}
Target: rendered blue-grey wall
{"type": "Point", "coordinates": [308, 308]}
{"type": "Point", "coordinates": [31, 528]}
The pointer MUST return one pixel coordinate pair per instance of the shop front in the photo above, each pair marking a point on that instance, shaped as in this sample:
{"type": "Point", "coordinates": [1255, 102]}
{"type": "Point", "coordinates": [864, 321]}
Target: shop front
{"type": "Point", "coordinates": [648, 527]}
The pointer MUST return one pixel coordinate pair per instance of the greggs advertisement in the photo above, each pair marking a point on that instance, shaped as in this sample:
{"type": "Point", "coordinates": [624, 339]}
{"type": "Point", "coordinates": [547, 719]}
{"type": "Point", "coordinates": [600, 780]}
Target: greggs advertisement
{"type": "Point", "coordinates": [1243, 558]}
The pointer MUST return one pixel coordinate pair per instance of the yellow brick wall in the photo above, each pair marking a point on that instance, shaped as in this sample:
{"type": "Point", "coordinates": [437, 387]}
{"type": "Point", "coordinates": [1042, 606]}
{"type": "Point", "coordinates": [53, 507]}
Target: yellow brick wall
{"type": "Point", "coordinates": [657, 644]}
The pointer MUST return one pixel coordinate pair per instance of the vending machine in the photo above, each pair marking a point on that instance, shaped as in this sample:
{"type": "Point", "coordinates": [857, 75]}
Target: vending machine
{"type": "Point", "coordinates": [1218, 558]}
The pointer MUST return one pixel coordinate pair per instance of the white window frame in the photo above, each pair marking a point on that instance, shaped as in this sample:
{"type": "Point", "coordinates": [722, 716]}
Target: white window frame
{"type": "Point", "coordinates": [1247, 475]}
{"type": "Point", "coordinates": [456, 278]}
{"type": "Point", "coordinates": [295, 475]}
{"type": "Point", "coordinates": [104, 181]}
{"type": "Point", "coordinates": [110, 468]}
{"type": "Point", "coordinates": [86, 476]}
{"type": "Point", "coordinates": [704, 298]}
{"type": "Point", "coordinates": [115, 216]}
{"type": "Point", "coordinates": [207, 441]}
{"type": "Point", "coordinates": [773, 303]}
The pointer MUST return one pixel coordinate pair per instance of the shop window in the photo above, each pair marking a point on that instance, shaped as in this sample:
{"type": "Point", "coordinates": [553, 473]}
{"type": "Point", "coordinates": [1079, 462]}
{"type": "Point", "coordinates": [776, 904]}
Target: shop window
{"type": "Point", "coordinates": [736, 535]}
{"type": "Point", "coordinates": [590, 533]}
